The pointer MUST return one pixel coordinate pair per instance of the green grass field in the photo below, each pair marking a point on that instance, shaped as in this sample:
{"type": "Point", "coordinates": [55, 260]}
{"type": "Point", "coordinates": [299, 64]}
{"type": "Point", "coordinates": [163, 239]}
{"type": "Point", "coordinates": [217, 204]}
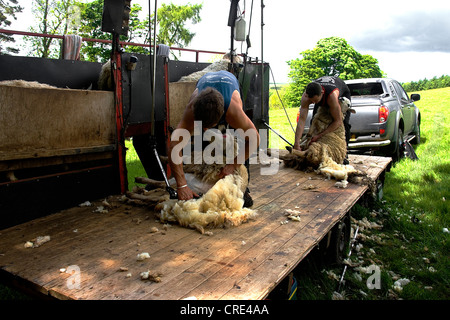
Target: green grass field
{"type": "Point", "coordinates": [413, 242]}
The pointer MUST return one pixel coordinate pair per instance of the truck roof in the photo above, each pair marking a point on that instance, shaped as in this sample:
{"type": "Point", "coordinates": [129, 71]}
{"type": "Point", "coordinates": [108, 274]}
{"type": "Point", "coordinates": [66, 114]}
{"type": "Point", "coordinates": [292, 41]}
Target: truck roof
{"type": "Point", "coordinates": [367, 80]}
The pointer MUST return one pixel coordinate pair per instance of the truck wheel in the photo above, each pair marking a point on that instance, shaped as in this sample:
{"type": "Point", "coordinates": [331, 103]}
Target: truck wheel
{"type": "Point", "coordinates": [399, 152]}
{"type": "Point", "coordinates": [416, 139]}
{"type": "Point", "coordinates": [339, 242]}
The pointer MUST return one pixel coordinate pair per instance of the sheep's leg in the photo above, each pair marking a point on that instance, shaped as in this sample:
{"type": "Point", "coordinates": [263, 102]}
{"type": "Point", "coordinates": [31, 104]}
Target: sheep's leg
{"type": "Point", "coordinates": [149, 198]}
{"type": "Point", "coordinates": [150, 182]}
{"type": "Point", "coordinates": [299, 153]}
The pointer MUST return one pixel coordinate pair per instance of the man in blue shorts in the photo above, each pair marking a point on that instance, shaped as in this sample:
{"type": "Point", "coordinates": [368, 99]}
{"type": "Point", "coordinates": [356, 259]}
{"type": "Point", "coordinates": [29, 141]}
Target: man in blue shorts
{"type": "Point", "coordinates": [215, 101]}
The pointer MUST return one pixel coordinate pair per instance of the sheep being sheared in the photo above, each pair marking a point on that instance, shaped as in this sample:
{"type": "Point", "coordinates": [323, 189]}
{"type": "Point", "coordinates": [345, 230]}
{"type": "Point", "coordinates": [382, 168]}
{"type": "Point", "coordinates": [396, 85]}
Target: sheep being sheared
{"type": "Point", "coordinates": [204, 165]}
{"type": "Point", "coordinates": [328, 153]}
{"type": "Point", "coordinates": [221, 204]}
{"type": "Point", "coordinates": [215, 66]}
{"type": "Point", "coordinates": [105, 79]}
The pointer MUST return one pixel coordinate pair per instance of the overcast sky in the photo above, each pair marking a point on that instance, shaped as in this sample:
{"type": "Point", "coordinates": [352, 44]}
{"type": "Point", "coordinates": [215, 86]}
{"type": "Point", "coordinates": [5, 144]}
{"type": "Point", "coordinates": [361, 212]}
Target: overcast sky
{"type": "Point", "coordinates": [410, 39]}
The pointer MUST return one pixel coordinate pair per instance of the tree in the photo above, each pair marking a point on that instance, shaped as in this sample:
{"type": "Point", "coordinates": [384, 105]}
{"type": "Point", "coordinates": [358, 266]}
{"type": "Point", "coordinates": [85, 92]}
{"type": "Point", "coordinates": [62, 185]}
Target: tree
{"type": "Point", "coordinates": [331, 57]}
{"type": "Point", "coordinates": [171, 28]}
{"type": "Point", "coordinates": [8, 9]}
{"type": "Point", "coordinates": [172, 19]}
{"type": "Point", "coordinates": [425, 84]}
{"type": "Point", "coordinates": [58, 16]}
{"type": "Point", "coordinates": [91, 27]}
{"type": "Point", "coordinates": [54, 18]}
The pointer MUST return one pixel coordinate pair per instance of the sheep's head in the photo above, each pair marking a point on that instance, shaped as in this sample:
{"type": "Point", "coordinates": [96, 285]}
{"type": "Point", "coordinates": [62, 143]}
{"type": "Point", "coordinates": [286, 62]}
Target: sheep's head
{"type": "Point", "coordinates": [346, 105]}
{"type": "Point", "coordinates": [224, 143]}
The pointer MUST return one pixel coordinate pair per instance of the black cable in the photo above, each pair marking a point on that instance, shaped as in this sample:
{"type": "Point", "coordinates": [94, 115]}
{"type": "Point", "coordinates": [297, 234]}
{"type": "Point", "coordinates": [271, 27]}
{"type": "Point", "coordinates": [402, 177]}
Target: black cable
{"type": "Point", "coordinates": [282, 104]}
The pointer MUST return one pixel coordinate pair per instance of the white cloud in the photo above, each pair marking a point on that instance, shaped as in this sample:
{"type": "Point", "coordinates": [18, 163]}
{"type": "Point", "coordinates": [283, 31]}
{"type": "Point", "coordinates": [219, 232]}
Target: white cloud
{"type": "Point", "coordinates": [291, 27]}
{"type": "Point", "coordinates": [413, 31]}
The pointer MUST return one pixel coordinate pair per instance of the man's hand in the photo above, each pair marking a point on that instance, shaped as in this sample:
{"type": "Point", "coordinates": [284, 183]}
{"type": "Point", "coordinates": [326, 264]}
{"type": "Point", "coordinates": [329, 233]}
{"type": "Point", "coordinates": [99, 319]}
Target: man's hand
{"type": "Point", "coordinates": [315, 138]}
{"type": "Point", "coordinates": [185, 193]}
{"type": "Point", "coordinates": [297, 147]}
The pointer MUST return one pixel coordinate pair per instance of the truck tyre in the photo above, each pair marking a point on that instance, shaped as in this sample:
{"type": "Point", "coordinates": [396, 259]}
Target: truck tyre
{"type": "Point", "coordinates": [399, 151]}
{"type": "Point", "coordinates": [416, 139]}
{"type": "Point", "coordinates": [339, 242]}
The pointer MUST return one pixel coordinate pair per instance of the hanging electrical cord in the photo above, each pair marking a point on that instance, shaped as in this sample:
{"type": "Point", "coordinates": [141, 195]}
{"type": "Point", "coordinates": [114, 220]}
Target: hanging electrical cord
{"type": "Point", "coordinates": [249, 28]}
{"type": "Point", "coordinates": [262, 63]}
{"type": "Point", "coordinates": [282, 104]}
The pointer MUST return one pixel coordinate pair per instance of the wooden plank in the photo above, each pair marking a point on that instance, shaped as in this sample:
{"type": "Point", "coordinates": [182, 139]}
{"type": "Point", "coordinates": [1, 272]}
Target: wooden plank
{"type": "Point", "coordinates": [282, 261]}
{"type": "Point", "coordinates": [53, 161]}
{"type": "Point", "coordinates": [253, 253]}
{"type": "Point", "coordinates": [46, 153]}
{"type": "Point", "coordinates": [188, 247]}
{"type": "Point", "coordinates": [245, 262]}
{"type": "Point", "coordinates": [229, 248]}
{"type": "Point", "coordinates": [48, 121]}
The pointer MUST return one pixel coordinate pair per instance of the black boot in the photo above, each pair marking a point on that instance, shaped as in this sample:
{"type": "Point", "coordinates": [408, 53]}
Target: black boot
{"type": "Point", "coordinates": [248, 201]}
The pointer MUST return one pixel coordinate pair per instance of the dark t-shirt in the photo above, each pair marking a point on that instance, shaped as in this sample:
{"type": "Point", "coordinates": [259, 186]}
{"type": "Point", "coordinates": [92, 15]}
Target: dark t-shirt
{"type": "Point", "coordinates": [330, 84]}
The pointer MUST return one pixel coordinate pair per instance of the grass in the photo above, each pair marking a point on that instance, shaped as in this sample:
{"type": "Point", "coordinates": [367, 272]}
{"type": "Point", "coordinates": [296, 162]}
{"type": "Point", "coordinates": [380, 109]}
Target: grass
{"type": "Point", "coordinates": [412, 243]}
{"type": "Point", "coordinates": [134, 165]}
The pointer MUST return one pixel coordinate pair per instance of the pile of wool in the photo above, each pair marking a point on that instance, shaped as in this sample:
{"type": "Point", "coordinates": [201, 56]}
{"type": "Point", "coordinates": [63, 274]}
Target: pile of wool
{"type": "Point", "coordinates": [328, 153]}
{"type": "Point", "coordinates": [221, 206]}
{"type": "Point", "coordinates": [222, 203]}
{"type": "Point", "coordinates": [214, 67]}
{"type": "Point", "coordinates": [329, 168]}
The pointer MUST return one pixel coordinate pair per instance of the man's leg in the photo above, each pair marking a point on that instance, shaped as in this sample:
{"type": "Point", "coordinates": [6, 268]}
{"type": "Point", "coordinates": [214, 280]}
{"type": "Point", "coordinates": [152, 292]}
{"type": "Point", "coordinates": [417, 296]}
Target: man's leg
{"type": "Point", "coordinates": [347, 128]}
{"type": "Point", "coordinates": [248, 201]}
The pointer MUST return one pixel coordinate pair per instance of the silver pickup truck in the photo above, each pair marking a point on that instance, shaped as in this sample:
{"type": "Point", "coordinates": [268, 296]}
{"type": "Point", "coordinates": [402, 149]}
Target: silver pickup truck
{"type": "Point", "coordinates": [385, 117]}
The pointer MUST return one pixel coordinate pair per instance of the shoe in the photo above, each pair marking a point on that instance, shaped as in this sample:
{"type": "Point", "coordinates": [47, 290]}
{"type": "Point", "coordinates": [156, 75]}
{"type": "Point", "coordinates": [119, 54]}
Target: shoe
{"type": "Point", "coordinates": [346, 160]}
{"type": "Point", "coordinates": [248, 201]}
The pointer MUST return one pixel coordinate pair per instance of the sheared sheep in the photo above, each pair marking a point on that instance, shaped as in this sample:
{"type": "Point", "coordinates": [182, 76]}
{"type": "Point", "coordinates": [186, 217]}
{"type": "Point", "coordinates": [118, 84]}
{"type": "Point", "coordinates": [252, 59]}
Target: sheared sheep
{"type": "Point", "coordinates": [328, 153]}
{"type": "Point", "coordinates": [105, 79]}
{"type": "Point", "coordinates": [221, 204]}
{"type": "Point", "coordinates": [215, 66]}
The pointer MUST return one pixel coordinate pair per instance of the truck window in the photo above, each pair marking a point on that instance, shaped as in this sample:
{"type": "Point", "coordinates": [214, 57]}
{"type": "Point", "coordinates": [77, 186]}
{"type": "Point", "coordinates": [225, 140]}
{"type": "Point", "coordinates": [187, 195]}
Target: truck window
{"type": "Point", "coordinates": [391, 87]}
{"type": "Point", "coordinates": [366, 89]}
{"type": "Point", "coordinates": [401, 93]}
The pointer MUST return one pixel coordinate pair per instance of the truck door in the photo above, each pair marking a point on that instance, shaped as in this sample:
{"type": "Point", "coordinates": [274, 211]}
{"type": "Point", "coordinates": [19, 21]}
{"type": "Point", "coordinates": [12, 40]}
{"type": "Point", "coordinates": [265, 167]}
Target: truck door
{"type": "Point", "coordinates": [407, 107]}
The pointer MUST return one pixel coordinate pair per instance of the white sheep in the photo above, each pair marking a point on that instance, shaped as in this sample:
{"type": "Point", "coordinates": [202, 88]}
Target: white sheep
{"type": "Point", "coordinates": [221, 204]}
{"type": "Point", "coordinates": [213, 67]}
{"type": "Point", "coordinates": [105, 79]}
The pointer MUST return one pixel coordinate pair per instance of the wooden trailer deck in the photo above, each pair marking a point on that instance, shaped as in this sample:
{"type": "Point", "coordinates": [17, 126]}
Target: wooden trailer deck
{"type": "Point", "coordinates": [245, 262]}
